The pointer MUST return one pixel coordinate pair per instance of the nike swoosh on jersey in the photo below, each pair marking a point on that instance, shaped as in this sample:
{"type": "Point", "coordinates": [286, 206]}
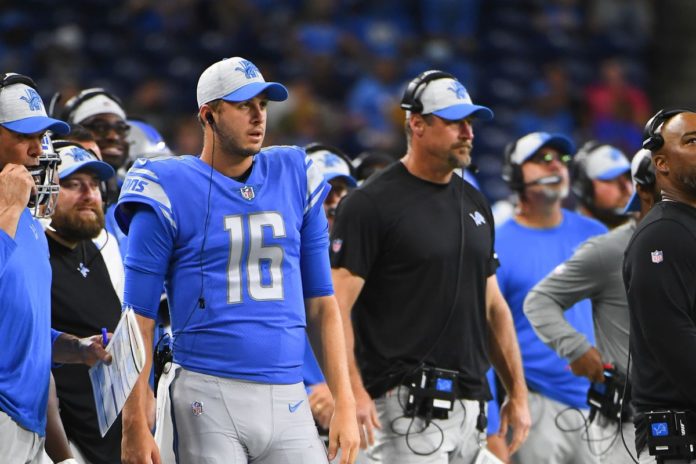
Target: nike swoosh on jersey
{"type": "Point", "coordinates": [293, 407]}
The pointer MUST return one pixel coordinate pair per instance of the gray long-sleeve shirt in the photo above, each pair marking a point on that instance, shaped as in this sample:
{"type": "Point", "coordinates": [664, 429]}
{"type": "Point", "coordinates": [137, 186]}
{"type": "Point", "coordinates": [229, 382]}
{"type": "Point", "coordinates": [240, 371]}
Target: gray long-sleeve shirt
{"type": "Point", "coordinates": [594, 272]}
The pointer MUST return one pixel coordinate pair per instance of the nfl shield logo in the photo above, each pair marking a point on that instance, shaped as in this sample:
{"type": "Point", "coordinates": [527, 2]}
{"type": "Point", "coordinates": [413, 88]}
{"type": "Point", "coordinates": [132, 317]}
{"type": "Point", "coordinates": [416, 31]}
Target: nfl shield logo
{"type": "Point", "coordinates": [247, 192]}
{"type": "Point", "coordinates": [336, 245]}
{"type": "Point", "coordinates": [197, 408]}
{"type": "Point", "coordinates": [656, 256]}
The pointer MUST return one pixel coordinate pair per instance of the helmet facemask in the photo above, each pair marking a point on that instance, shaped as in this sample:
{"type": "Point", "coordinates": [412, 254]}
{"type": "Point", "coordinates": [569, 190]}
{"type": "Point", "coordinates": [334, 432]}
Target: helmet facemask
{"type": "Point", "coordinates": [43, 203]}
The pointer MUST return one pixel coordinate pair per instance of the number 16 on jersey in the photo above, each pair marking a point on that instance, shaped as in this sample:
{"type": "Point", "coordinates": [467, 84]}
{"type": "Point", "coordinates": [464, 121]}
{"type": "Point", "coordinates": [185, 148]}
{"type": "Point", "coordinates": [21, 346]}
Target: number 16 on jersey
{"type": "Point", "coordinates": [262, 263]}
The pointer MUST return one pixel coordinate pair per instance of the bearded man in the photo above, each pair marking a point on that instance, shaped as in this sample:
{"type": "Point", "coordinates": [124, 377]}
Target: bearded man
{"type": "Point", "coordinates": [86, 292]}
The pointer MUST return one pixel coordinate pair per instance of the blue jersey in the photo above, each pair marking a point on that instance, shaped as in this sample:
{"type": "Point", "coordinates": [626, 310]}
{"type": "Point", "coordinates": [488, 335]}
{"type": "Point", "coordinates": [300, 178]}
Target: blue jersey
{"type": "Point", "coordinates": [111, 226]}
{"type": "Point", "coordinates": [25, 324]}
{"type": "Point", "coordinates": [249, 253]}
{"type": "Point", "coordinates": [311, 371]}
{"type": "Point", "coordinates": [526, 256]}
{"type": "Point", "coordinates": [493, 410]}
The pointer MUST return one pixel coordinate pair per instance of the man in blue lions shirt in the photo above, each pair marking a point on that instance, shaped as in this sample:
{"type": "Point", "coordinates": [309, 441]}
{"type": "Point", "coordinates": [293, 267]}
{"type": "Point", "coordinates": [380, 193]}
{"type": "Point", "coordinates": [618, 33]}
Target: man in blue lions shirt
{"type": "Point", "coordinates": [540, 236]}
{"type": "Point", "coordinates": [25, 274]}
{"type": "Point", "coordinates": [239, 238]}
{"type": "Point", "coordinates": [337, 171]}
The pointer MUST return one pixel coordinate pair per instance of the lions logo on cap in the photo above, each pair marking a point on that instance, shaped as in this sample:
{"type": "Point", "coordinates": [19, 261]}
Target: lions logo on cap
{"type": "Point", "coordinates": [459, 91]}
{"type": "Point", "coordinates": [331, 160]}
{"type": "Point", "coordinates": [78, 155]}
{"type": "Point", "coordinates": [248, 68]}
{"type": "Point", "coordinates": [33, 100]}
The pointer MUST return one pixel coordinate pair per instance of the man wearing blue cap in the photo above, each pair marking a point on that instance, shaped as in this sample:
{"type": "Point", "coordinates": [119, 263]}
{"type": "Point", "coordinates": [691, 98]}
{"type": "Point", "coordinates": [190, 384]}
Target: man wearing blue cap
{"type": "Point", "coordinates": [337, 170]}
{"type": "Point", "coordinates": [539, 237]}
{"type": "Point", "coordinates": [601, 183]}
{"type": "Point", "coordinates": [238, 236]}
{"type": "Point", "coordinates": [25, 274]}
{"type": "Point", "coordinates": [594, 272]}
{"type": "Point", "coordinates": [335, 166]}
{"type": "Point", "coordinates": [414, 269]}
{"type": "Point", "coordinates": [86, 292]}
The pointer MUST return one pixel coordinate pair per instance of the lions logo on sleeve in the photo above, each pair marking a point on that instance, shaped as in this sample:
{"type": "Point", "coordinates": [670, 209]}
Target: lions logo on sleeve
{"type": "Point", "coordinates": [317, 189]}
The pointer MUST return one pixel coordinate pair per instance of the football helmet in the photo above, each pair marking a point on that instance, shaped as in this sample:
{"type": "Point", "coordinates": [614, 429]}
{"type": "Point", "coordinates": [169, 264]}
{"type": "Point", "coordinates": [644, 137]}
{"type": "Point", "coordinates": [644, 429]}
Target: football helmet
{"type": "Point", "coordinates": [43, 202]}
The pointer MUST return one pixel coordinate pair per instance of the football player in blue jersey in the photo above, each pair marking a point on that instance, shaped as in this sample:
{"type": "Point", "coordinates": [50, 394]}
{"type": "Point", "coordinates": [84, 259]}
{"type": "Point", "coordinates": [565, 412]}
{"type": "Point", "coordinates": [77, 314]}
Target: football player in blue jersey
{"type": "Point", "coordinates": [25, 273]}
{"type": "Point", "coordinates": [239, 238]}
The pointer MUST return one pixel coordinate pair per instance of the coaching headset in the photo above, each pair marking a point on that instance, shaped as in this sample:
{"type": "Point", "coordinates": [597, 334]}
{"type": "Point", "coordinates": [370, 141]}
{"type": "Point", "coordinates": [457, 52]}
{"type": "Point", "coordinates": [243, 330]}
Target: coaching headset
{"type": "Point", "coordinates": [582, 185]}
{"type": "Point", "coordinates": [82, 97]}
{"type": "Point", "coordinates": [411, 99]}
{"type": "Point", "coordinates": [652, 140]}
{"type": "Point", "coordinates": [645, 173]}
{"type": "Point", "coordinates": [9, 79]}
{"type": "Point", "coordinates": [512, 172]}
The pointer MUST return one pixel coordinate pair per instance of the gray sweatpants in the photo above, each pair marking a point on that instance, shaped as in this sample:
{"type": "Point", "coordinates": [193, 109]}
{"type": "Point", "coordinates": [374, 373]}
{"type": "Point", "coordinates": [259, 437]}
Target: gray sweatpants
{"type": "Point", "coordinates": [453, 440]}
{"type": "Point", "coordinates": [608, 442]}
{"type": "Point", "coordinates": [17, 444]}
{"type": "Point", "coordinates": [546, 443]}
{"type": "Point", "coordinates": [219, 420]}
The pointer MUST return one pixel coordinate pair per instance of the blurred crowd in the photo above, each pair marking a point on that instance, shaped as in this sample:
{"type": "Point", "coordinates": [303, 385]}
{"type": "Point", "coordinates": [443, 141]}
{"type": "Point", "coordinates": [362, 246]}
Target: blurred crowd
{"type": "Point", "coordinates": [572, 66]}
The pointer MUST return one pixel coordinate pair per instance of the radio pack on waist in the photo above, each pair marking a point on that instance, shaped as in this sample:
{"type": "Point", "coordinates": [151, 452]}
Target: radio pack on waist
{"type": "Point", "coordinates": [161, 356]}
{"type": "Point", "coordinates": [670, 433]}
{"type": "Point", "coordinates": [607, 398]}
{"type": "Point", "coordinates": [431, 393]}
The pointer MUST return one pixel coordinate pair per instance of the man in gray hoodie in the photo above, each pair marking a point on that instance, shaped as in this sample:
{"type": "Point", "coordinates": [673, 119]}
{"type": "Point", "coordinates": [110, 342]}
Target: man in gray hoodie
{"type": "Point", "coordinates": [594, 272]}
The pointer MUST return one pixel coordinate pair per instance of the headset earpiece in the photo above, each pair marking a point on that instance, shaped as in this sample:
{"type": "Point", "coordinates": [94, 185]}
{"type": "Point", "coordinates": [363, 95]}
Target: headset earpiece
{"type": "Point", "coordinates": [512, 172]}
{"type": "Point", "coordinates": [72, 104]}
{"type": "Point", "coordinates": [652, 140]}
{"type": "Point", "coordinates": [581, 185]}
{"type": "Point", "coordinates": [210, 119]}
{"type": "Point", "coordinates": [645, 174]}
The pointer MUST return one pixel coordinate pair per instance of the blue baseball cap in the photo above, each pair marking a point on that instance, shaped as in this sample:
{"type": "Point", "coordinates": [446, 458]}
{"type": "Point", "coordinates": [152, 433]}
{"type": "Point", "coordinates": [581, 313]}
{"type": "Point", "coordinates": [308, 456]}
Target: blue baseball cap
{"type": "Point", "coordinates": [527, 146]}
{"type": "Point", "coordinates": [235, 80]}
{"type": "Point", "coordinates": [332, 166]}
{"type": "Point", "coordinates": [449, 99]}
{"type": "Point", "coordinates": [74, 158]}
{"type": "Point", "coordinates": [23, 111]}
{"type": "Point", "coordinates": [606, 163]}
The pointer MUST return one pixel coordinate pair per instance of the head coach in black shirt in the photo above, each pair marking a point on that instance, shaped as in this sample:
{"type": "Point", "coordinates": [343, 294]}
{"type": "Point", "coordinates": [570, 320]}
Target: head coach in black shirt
{"type": "Point", "coordinates": [660, 279]}
{"type": "Point", "coordinates": [413, 258]}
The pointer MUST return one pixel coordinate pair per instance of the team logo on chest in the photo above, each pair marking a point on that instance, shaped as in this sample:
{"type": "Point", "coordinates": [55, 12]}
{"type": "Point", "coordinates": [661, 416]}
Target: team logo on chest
{"type": "Point", "coordinates": [478, 218]}
{"type": "Point", "coordinates": [247, 192]}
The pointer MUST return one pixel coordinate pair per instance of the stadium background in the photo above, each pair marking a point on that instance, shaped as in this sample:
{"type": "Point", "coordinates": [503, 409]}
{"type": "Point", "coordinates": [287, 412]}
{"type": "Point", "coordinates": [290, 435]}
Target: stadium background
{"type": "Point", "coordinates": [589, 68]}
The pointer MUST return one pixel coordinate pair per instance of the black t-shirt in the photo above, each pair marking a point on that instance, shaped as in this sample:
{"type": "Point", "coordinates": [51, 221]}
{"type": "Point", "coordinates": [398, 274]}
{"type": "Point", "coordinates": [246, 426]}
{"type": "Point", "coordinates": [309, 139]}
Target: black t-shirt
{"type": "Point", "coordinates": [660, 278]}
{"type": "Point", "coordinates": [83, 303]}
{"type": "Point", "coordinates": [403, 236]}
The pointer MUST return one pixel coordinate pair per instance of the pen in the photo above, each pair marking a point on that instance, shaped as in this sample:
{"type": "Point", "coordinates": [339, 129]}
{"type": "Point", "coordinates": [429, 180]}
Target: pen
{"type": "Point", "coordinates": [105, 337]}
